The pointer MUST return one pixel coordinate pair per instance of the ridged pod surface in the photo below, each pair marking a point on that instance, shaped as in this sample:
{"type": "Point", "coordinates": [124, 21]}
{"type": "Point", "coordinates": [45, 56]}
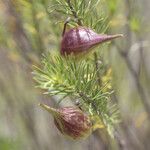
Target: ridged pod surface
{"type": "Point", "coordinates": [83, 39]}
{"type": "Point", "coordinates": [71, 121]}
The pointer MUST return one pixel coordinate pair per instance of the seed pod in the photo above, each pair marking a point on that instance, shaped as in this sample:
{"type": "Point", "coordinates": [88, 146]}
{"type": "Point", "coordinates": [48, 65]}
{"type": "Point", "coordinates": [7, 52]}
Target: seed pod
{"type": "Point", "coordinates": [71, 121]}
{"type": "Point", "coordinates": [82, 39]}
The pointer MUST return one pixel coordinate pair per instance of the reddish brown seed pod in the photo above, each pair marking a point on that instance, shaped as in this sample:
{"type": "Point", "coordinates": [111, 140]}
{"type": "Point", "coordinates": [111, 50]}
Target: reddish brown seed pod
{"type": "Point", "coordinates": [71, 121]}
{"type": "Point", "coordinates": [82, 39]}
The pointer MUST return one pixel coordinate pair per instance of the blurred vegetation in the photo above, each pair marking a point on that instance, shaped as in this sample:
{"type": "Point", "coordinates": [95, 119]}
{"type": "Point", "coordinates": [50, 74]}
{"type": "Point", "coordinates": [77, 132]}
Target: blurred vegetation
{"type": "Point", "coordinates": [28, 29]}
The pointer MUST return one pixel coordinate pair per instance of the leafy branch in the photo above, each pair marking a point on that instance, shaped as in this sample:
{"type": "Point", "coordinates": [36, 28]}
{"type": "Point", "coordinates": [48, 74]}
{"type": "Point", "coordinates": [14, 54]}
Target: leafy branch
{"type": "Point", "coordinates": [82, 12]}
{"type": "Point", "coordinates": [79, 80]}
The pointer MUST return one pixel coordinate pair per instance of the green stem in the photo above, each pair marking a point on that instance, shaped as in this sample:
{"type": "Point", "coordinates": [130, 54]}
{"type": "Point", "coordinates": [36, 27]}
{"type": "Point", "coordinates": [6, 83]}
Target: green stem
{"type": "Point", "coordinates": [74, 13]}
{"type": "Point", "coordinates": [97, 69]}
{"type": "Point", "coordinates": [53, 111]}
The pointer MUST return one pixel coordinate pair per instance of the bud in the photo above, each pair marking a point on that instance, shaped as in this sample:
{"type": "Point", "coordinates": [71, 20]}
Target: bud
{"type": "Point", "coordinates": [71, 121]}
{"type": "Point", "coordinates": [82, 39]}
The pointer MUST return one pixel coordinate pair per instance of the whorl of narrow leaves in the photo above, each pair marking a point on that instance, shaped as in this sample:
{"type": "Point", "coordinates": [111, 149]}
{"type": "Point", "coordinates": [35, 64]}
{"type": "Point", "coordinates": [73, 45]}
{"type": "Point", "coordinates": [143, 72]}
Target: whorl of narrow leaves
{"type": "Point", "coordinates": [67, 77]}
{"type": "Point", "coordinates": [84, 10]}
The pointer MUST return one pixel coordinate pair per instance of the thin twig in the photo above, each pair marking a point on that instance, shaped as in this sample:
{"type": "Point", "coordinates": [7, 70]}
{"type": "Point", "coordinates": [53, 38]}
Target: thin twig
{"type": "Point", "coordinates": [65, 25]}
{"type": "Point", "coordinates": [124, 54]}
{"type": "Point", "coordinates": [74, 13]}
{"type": "Point", "coordinates": [140, 88]}
{"type": "Point", "coordinates": [97, 69]}
{"type": "Point", "coordinates": [127, 26]}
{"type": "Point", "coordinates": [84, 96]}
{"type": "Point", "coordinates": [96, 134]}
{"type": "Point", "coordinates": [120, 141]}
{"type": "Point", "coordinates": [136, 78]}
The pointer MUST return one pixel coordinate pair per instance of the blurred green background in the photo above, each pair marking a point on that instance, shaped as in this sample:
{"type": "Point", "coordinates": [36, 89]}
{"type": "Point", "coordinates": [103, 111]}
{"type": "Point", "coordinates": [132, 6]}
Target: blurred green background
{"type": "Point", "coordinates": [27, 30]}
